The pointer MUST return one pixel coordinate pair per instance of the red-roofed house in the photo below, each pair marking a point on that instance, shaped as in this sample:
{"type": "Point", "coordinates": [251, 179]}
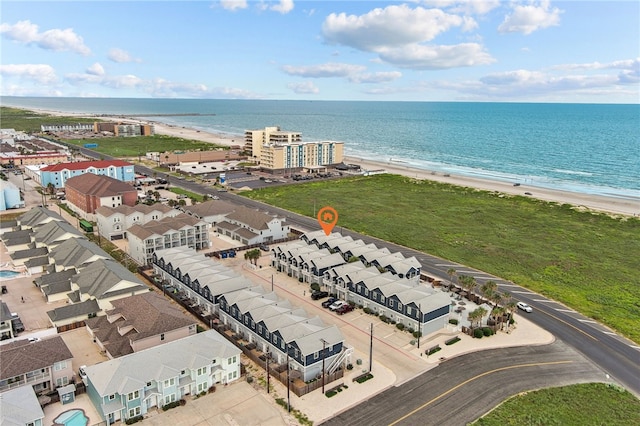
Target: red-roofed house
{"type": "Point", "coordinates": [88, 192]}
{"type": "Point", "coordinates": [58, 174]}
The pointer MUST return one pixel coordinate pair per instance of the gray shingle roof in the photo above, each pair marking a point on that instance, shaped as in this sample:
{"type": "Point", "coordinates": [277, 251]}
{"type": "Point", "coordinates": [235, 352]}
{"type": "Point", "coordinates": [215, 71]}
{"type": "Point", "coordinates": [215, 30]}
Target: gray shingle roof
{"type": "Point", "coordinates": [29, 253]}
{"type": "Point", "coordinates": [74, 310]}
{"type": "Point", "coordinates": [23, 356]}
{"type": "Point", "coordinates": [131, 372]}
{"type": "Point", "coordinates": [75, 252]}
{"type": "Point", "coordinates": [54, 233]}
{"type": "Point", "coordinates": [38, 216]}
{"type": "Point", "coordinates": [20, 407]}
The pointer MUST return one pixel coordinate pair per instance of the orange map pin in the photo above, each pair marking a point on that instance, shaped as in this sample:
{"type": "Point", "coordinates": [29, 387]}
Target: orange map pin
{"type": "Point", "coordinates": [327, 218]}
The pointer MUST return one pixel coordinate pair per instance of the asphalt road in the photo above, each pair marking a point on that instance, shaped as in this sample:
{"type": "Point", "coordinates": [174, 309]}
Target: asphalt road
{"type": "Point", "coordinates": [465, 388]}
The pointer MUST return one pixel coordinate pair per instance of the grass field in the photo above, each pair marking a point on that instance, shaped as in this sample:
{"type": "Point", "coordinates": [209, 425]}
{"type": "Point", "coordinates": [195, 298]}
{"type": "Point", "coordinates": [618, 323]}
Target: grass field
{"type": "Point", "coordinates": [30, 122]}
{"type": "Point", "coordinates": [587, 261]}
{"type": "Point", "coordinates": [580, 405]}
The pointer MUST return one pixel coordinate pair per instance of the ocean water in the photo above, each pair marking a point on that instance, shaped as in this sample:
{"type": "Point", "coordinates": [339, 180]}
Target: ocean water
{"type": "Point", "coordinates": [589, 148]}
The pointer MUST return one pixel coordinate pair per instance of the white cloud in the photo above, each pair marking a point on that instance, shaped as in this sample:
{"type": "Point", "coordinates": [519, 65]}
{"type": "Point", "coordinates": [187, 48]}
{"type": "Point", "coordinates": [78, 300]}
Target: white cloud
{"type": "Point", "coordinates": [529, 18]}
{"type": "Point", "coordinates": [376, 77]}
{"type": "Point", "coordinates": [233, 5]}
{"type": "Point", "coordinates": [421, 57]}
{"type": "Point", "coordinates": [393, 26]}
{"type": "Point", "coordinates": [283, 7]}
{"type": "Point", "coordinates": [330, 69]}
{"type": "Point", "coordinates": [121, 56]}
{"type": "Point", "coordinates": [57, 40]}
{"type": "Point", "coordinates": [304, 88]}
{"type": "Point", "coordinates": [39, 73]}
{"type": "Point", "coordinates": [468, 7]}
{"type": "Point", "coordinates": [95, 69]}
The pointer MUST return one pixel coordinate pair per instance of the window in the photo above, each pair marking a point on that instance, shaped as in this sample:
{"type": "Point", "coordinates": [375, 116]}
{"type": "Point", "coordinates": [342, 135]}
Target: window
{"type": "Point", "coordinates": [59, 365]}
{"type": "Point", "coordinates": [169, 382]}
{"type": "Point", "coordinates": [133, 395]}
{"type": "Point", "coordinates": [62, 381]}
{"type": "Point", "coordinates": [162, 336]}
{"type": "Point", "coordinates": [112, 397]}
{"type": "Point", "coordinates": [169, 399]}
{"type": "Point", "coordinates": [201, 371]}
{"type": "Point", "coordinates": [134, 412]}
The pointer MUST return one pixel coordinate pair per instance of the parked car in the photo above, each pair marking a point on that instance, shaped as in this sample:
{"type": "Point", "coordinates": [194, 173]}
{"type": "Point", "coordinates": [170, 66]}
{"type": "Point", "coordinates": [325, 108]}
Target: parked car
{"type": "Point", "coordinates": [328, 302]}
{"type": "Point", "coordinates": [83, 374]}
{"type": "Point", "coordinates": [337, 305]}
{"type": "Point", "coordinates": [344, 309]}
{"type": "Point", "coordinates": [524, 307]}
{"type": "Point", "coordinates": [319, 295]}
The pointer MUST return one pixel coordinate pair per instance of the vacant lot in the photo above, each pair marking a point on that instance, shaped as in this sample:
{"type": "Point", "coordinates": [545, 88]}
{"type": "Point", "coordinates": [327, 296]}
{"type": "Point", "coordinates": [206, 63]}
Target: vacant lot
{"type": "Point", "coordinates": [587, 261]}
{"type": "Point", "coordinates": [585, 404]}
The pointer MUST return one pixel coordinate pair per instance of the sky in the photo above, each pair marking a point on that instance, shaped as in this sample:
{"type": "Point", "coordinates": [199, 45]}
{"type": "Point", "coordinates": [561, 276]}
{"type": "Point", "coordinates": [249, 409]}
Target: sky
{"type": "Point", "coordinates": [418, 50]}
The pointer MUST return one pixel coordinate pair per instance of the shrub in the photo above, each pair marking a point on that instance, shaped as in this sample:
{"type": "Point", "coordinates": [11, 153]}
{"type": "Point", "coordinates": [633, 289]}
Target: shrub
{"type": "Point", "coordinates": [133, 420]}
{"type": "Point", "coordinates": [433, 350]}
{"type": "Point", "coordinates": [330, 393]}
{"type": "Point", "coordinates": [452, 341]}
{"type": "Point", "coordinates": [170, 405]}
{"type": "Point", "coordinates": [300, 279]}
{"type": "Point", "coordinates": [212, 389]}
{"type": "Point", "coordinates": [512, 321]}
{"type": "Point", "coordinates": [183, 402]}
{"type": "Point", "coordinates": [249, 379]}
{"type": "Point", "coordinates": [315, 287]}
{"type": "Point", "coordinates": [453, 321]}
{"type": "Point", "coordinates": [367, 311]}
{"type": "Point", "coordinates": [349, 366]}
{"type": "Point", "coordinates": [487, 331]}
{"type": "Point", "coordinates": [400, 326]}
{"type": "Point", "coordinates": [477, 333]}
{"type": "Point", "coordinates": [416, 334]}
{"type": "Point", "coordinates": [384, 318]}
{"type": "Point", "coordinates": [363, 378]}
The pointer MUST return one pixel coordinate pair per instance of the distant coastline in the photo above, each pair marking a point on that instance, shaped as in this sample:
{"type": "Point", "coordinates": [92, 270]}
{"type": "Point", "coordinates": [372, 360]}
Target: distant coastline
{"type": "Point", "coordinates": [623, 202]}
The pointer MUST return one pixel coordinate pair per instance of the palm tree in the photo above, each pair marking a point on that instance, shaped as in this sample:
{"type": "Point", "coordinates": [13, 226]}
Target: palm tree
{"type": "Point", "coordinates": [497, 312]}
{"type": "Point", "coordinates": [469, 284]}
{"type": "Point", "coordinates": [252, 256]}
{"type": "Point", "coordinates": [452, 273]}
{"type": "Point", "coordinates": [476, 317]}
{"type": "Point", "coordinates": [488, 289]}
{"type": "Point", "coordinates": [51, 189]}
{"type": "Point", "coordinates": [496, 298]}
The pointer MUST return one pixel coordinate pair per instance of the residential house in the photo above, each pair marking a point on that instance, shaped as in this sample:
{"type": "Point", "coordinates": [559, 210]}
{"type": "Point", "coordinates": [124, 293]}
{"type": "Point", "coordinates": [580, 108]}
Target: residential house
{"type": "Point", "coordinates": [59, 174]}
{"type": "Point", "coordinates": [93, 289]}
{"type": "Point", "coordinates": [178, 231]}
{"type": "Point", "coordinates": [130, 386]}
{"type": "Point", "coordinates": [113, 222]}
{"type": "Point", "coordinates": [88, 192]}
{"type": "Point", "coordinates": [139, 322]}
{"type": "Point", "coordinates": [212, 211]}
{"type": "Point", "coordinates": [44, 364]}
{"type": "Point", "coordinates": [20, 407]}
{"type": "Point", "coordinates": [251, 226]}
{"type": "Point", "coordinates": [6, 322]}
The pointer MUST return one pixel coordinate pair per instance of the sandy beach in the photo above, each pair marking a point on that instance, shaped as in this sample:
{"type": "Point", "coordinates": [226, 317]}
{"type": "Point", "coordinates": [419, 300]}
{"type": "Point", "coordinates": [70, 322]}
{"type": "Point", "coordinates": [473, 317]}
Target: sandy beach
{"type": "Point", "coordinates": [598, 203]}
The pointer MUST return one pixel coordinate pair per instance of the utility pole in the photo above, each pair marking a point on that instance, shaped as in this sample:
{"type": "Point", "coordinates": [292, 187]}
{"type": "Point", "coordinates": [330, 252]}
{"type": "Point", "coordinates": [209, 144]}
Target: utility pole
{"type": "Point", "coordinates": [324, 355]}
{"type": "Point", "coordinates": [288, 383]}
{"type": "Point", "coordinates": [419, 323]}
{"type": "Point", "coordinates": [371, 349]}
{"type": "Point", "coordinates": [268, 374]}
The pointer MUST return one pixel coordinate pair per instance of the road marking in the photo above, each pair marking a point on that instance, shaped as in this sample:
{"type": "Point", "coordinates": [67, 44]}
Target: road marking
{"type": "Point", "coordinates": [610, 333]}
{"type": "Point", "coordinates": [511, 367]}
{"type": "Point", "coordinates": [544, 300]}
{"type": "Point", "coordinates": [522, 292]}
{"type": "Point", "coordinates": [508, 285]}
{"type": "Point", "coordinates": [588, 321]}
{"type": "Point", "coordinates": [569, 311]}
{"type": "Point", "coordinates": [635, 347]}
{"type": "Point", "coordinates": [570, 325]}
{"type": "Point", "coordinates": [447, 264]}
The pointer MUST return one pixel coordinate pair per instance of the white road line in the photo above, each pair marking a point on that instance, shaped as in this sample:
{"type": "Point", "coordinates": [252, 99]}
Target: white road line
{"type": "Point", "coordinates": [522, 292]}
{"type": "Point", "coordinates": [567, 311]}
{"type": "Point", "coordinates": [447, 264]}
{"type": "Point", "coordinates": [544, 300]}
{"type": "Point", "coordinates": [508, 285]}
{"type": "Point", "coordinates": [635, 347]}
{"type": "Point", "coordinates": [588, 321]}
{"type": "Point", "coordinates": [610, 333]}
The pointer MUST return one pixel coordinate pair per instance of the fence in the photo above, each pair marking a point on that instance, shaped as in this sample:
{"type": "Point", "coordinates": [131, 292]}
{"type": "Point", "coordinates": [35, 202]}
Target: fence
{"type": "Point", "coordinates": [221, 253]}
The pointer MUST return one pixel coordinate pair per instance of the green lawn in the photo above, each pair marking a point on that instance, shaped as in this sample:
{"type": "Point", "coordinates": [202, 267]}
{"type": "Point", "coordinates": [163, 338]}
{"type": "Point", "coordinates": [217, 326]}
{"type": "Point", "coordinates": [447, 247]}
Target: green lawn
{"type": "Point", "coordinates": [29, 121]}
{"type": "Point", "coordinates": [588, 261]}
{"type": "Point", "coordinates": [580, 405]}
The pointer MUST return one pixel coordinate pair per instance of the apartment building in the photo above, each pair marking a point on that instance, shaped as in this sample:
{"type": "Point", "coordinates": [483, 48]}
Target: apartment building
{"type": "Point", "coordinates": [58, 174]}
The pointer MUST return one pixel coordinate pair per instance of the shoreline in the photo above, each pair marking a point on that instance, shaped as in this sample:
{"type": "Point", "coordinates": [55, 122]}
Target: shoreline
{"type": "Point", "coordinates": [599, 203]}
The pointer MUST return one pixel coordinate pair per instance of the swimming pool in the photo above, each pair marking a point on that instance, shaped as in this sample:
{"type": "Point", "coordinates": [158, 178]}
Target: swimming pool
{"type": "Point", "coordinates": [8, 274]}
{"type": "Point", "coordinates": [72, 418]}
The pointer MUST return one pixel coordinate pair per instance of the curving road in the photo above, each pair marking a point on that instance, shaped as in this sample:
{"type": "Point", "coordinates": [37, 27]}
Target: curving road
{"type": "Point", "coordinates": [470, 385]}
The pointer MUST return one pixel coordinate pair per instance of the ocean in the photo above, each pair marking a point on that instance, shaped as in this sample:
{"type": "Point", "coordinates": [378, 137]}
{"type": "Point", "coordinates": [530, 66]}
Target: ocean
{"type": "Point", "coordinates": [586, 148]}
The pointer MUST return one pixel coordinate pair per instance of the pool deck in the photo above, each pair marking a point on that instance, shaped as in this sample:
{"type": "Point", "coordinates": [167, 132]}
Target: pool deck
{"type": "Point", "coordinates": [82, 402]}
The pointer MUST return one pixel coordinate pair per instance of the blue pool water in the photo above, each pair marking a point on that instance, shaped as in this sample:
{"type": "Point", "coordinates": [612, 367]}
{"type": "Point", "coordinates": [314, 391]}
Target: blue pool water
{"type": "Point", "coordinates": [8, 274]}
{"type": "Point", "coordinates": [72, 418]}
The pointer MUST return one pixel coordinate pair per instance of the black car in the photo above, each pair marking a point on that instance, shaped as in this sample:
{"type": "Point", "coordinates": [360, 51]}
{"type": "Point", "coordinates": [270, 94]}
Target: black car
{"type": "Point", "coordinates": [328, 302]}
{"type": "Point", "coordinates": [319, 295]}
